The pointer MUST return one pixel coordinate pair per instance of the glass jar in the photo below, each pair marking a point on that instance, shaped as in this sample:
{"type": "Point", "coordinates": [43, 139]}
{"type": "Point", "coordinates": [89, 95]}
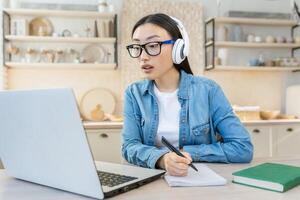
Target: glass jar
{"type": "Point", "coordinates": [102, 6]}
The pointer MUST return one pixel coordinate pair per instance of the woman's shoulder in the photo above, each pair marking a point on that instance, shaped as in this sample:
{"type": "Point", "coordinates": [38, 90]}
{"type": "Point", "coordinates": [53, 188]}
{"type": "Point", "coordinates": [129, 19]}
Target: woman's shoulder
{"type": "Point", "coordinates": [137, 86]}
{"type": "Point", "coordinates": [201, 81]}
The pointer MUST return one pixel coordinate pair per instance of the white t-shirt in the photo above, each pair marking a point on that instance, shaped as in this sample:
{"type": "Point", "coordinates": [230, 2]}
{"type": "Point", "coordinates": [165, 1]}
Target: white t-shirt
{"type": "Point", "coordinates": [168, 125]}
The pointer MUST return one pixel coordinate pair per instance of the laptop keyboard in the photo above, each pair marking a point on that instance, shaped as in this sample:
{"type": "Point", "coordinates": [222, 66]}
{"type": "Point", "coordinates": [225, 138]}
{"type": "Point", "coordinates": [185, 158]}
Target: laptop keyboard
{"type": "Point", "coordinates": [111, 179]}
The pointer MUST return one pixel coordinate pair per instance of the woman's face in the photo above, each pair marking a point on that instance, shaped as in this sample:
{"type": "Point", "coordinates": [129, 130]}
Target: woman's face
{"type": "Point", "coordinates": [154, 67]}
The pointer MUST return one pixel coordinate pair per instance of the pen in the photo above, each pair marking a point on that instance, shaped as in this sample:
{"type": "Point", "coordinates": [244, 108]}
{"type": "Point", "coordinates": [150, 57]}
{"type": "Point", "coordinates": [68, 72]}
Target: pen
{"type": "Point", "coordinates": [172, 148]}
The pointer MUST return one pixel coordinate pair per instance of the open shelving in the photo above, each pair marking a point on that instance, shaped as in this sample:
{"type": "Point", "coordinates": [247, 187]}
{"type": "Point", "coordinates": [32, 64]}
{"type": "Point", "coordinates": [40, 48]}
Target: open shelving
{"type": "Point", "coordinates": [212, 43]}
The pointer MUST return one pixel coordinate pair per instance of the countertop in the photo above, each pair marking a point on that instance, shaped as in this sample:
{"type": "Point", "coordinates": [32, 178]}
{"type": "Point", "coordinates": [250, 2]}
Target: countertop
{"type": "Point", "coordinates": [119, 125]}
{"type": "Point", "coordinates": [14, 189]}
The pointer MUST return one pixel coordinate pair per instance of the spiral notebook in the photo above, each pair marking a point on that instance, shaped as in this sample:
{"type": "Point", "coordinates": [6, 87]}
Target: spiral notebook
{"type": "Point", "coordinates": [204, 177]}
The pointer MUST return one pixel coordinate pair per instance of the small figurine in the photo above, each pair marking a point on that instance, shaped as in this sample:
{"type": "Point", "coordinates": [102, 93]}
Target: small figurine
{"type": "Point", "coordinates": [97, 114]}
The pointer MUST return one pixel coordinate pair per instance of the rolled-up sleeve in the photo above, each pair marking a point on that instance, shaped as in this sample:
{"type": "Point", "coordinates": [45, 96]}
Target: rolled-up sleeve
{"type": "Point", "coordinates": [236, 146]}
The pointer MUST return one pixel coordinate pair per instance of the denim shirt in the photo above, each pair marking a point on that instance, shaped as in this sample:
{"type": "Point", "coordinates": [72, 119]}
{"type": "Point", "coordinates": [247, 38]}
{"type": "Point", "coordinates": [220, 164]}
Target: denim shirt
{"type": "Point", "coordinates": [205, 112]}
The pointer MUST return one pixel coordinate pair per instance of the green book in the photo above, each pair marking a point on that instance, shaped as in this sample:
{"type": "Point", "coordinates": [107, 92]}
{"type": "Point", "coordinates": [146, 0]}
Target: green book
{"type": "Point", "coordinates": [269, 176]}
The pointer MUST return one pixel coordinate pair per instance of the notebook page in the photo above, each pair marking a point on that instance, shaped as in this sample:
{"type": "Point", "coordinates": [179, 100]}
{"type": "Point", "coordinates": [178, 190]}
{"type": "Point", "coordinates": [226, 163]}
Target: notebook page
{"type": "Point", "coordinates": [204, 177]}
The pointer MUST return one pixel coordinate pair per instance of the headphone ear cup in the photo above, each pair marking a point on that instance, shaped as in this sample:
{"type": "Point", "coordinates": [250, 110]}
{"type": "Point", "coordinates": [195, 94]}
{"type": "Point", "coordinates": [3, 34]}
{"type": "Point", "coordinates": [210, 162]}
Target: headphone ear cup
{"type": "Point", "coordinates": [177, 52]}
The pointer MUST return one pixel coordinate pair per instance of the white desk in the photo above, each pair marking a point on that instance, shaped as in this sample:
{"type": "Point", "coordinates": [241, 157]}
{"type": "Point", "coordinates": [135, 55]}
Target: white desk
{"type": "Point", "coordinates": [13, 189]}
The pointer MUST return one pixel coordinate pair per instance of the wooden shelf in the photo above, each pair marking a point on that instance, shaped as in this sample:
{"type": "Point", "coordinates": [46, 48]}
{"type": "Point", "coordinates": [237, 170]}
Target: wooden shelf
{"type": "Point", "coordinates": [17, 65]}
{"type": "Point", "coordinates": [254, 21]}
{"type": "Point", "coordinates": [57, 13]}
{"type": "Point", "coordinates": [253, 68]}
{"type": "Point", "coordinates": [59, 39]}
{"type": "Point", "coordinates": [256, 45]}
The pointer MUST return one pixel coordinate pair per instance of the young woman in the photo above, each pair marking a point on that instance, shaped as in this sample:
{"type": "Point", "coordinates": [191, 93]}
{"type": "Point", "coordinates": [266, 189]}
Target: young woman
{"type": "Point", "coordinates": [189, 111]}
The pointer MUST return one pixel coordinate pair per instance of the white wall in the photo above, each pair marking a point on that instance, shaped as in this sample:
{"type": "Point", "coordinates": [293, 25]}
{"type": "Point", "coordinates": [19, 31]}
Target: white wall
{"type": "Point", "coordinates": [210, 5]}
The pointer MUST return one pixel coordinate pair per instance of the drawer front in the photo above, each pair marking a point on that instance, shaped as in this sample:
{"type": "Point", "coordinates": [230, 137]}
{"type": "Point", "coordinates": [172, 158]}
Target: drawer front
{"type": "Point", "coordinates": [105, 144]}
{"type": "Point", "coordinates": [261, 140]}
{"type": "Point", "coordinates": [287, 140]}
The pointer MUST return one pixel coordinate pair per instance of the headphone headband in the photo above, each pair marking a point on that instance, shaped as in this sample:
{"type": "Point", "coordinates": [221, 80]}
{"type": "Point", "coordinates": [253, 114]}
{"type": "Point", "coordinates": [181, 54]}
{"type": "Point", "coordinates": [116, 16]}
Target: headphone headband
{"type": "Point", "coordinates": [183, 34]}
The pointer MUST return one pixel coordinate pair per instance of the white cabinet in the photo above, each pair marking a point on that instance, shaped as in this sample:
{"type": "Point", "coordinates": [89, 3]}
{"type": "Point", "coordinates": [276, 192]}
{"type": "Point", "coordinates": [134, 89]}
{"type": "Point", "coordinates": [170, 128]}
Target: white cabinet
{"type": "Point", "coordinates": [261, 139]}
{"type": "Point", "coordinates": [286, 140]}
{"type": "Point", "coordinates": [275, 140]}
{"type": "Point", "coordinates": [105, 144]}
{"type": "Point", "coordinates": [270, 139]}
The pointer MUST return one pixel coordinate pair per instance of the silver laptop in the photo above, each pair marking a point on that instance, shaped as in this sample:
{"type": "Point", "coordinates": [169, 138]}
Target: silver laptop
{"type": "Point", "coordinates": [42, 140]}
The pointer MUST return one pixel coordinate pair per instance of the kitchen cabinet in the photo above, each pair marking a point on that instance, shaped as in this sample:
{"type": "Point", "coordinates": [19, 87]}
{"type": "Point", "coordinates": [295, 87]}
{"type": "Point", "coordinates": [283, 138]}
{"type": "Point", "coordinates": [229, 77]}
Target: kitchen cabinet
{"type": "Point", "coordinates": [273, 139]}
{"type": "Point", "coordinates": [286, 140]}
{"type": "Point", "coordinates": [261, 137]}
{"type": "Point", "coordinates": [105, 144]}
{"type": "Point", "coordinates": [270, 138]}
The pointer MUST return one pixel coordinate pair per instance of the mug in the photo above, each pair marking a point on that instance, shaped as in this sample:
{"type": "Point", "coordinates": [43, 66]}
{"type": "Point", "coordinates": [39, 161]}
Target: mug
{"type": "Point", "coordinates": [280, 39]}
{"type": "Point", "coordinates": [258, 39]}
{"type": "Point", "coordinates": [270, 39]}
{"type": "Point", "coordinates": [250, 38]}
{"type": "Point", "coordinates": [254, 62]}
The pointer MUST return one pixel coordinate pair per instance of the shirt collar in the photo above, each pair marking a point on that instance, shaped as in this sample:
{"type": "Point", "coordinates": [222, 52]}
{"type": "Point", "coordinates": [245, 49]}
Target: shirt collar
{"type": "Point", "coordinates": [183, 86]}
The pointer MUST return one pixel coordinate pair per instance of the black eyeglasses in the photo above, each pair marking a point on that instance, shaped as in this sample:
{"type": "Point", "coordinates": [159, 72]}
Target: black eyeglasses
{"type": "Point", "coordinates": [151, 48]}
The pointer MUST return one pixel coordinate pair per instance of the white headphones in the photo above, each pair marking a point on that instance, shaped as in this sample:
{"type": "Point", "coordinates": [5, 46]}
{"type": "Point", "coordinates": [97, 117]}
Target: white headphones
{"type": "Point", "coordinates": [181, 46]}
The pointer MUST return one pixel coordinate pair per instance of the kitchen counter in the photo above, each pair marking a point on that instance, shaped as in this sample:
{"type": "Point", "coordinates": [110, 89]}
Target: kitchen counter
{"type": "Point", "coordinates": [272, 122]}
{"type": "Point", "coordinates": [119, 125]}
{"type": "Point", "coordinates": [102, 125]}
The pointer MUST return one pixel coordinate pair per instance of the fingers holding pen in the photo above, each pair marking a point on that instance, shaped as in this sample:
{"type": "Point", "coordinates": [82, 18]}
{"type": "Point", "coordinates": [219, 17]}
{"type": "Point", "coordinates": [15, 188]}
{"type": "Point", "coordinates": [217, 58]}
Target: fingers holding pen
{"type": "Point", "coordinates": [179, 159]}
{"type": "Point", "coordinates": [176, 165]}
{"type": "Point", "coordinates": [188, 156]}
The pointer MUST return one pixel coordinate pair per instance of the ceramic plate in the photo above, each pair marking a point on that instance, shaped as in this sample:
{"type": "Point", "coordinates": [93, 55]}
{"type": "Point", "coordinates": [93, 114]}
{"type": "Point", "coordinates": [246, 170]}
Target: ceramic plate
{"type": "Point", "coordinates": [40, 26]}
{"type": "Point", "coordinates": [94, 53]}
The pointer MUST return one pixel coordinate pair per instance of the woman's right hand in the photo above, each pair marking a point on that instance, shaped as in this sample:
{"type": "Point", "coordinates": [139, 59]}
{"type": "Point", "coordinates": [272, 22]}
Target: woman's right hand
{"type": "Point", "coordinates": [175, 165]}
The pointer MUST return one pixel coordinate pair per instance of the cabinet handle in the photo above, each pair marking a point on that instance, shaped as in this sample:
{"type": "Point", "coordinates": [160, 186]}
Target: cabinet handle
{"type": "Point", "coordinates": [256, 131]}
{"type": "Point", "coordinates": [103, 135]}
{"type": "Point", "coordinates": [289, 129]}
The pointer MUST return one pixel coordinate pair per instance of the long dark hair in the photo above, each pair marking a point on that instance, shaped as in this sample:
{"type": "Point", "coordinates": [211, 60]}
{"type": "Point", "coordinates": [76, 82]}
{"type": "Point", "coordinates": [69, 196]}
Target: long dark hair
{"type": "Point", "coordinates": [167, 23]}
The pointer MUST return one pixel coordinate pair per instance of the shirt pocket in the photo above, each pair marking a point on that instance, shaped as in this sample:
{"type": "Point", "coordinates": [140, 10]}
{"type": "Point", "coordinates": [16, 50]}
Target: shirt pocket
{"type": "Point", "coordinates": [200, 134]}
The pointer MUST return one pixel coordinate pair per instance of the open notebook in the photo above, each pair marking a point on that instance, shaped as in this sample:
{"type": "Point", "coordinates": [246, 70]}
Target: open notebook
{"type": "Point", "coordinates": [204, 177]}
